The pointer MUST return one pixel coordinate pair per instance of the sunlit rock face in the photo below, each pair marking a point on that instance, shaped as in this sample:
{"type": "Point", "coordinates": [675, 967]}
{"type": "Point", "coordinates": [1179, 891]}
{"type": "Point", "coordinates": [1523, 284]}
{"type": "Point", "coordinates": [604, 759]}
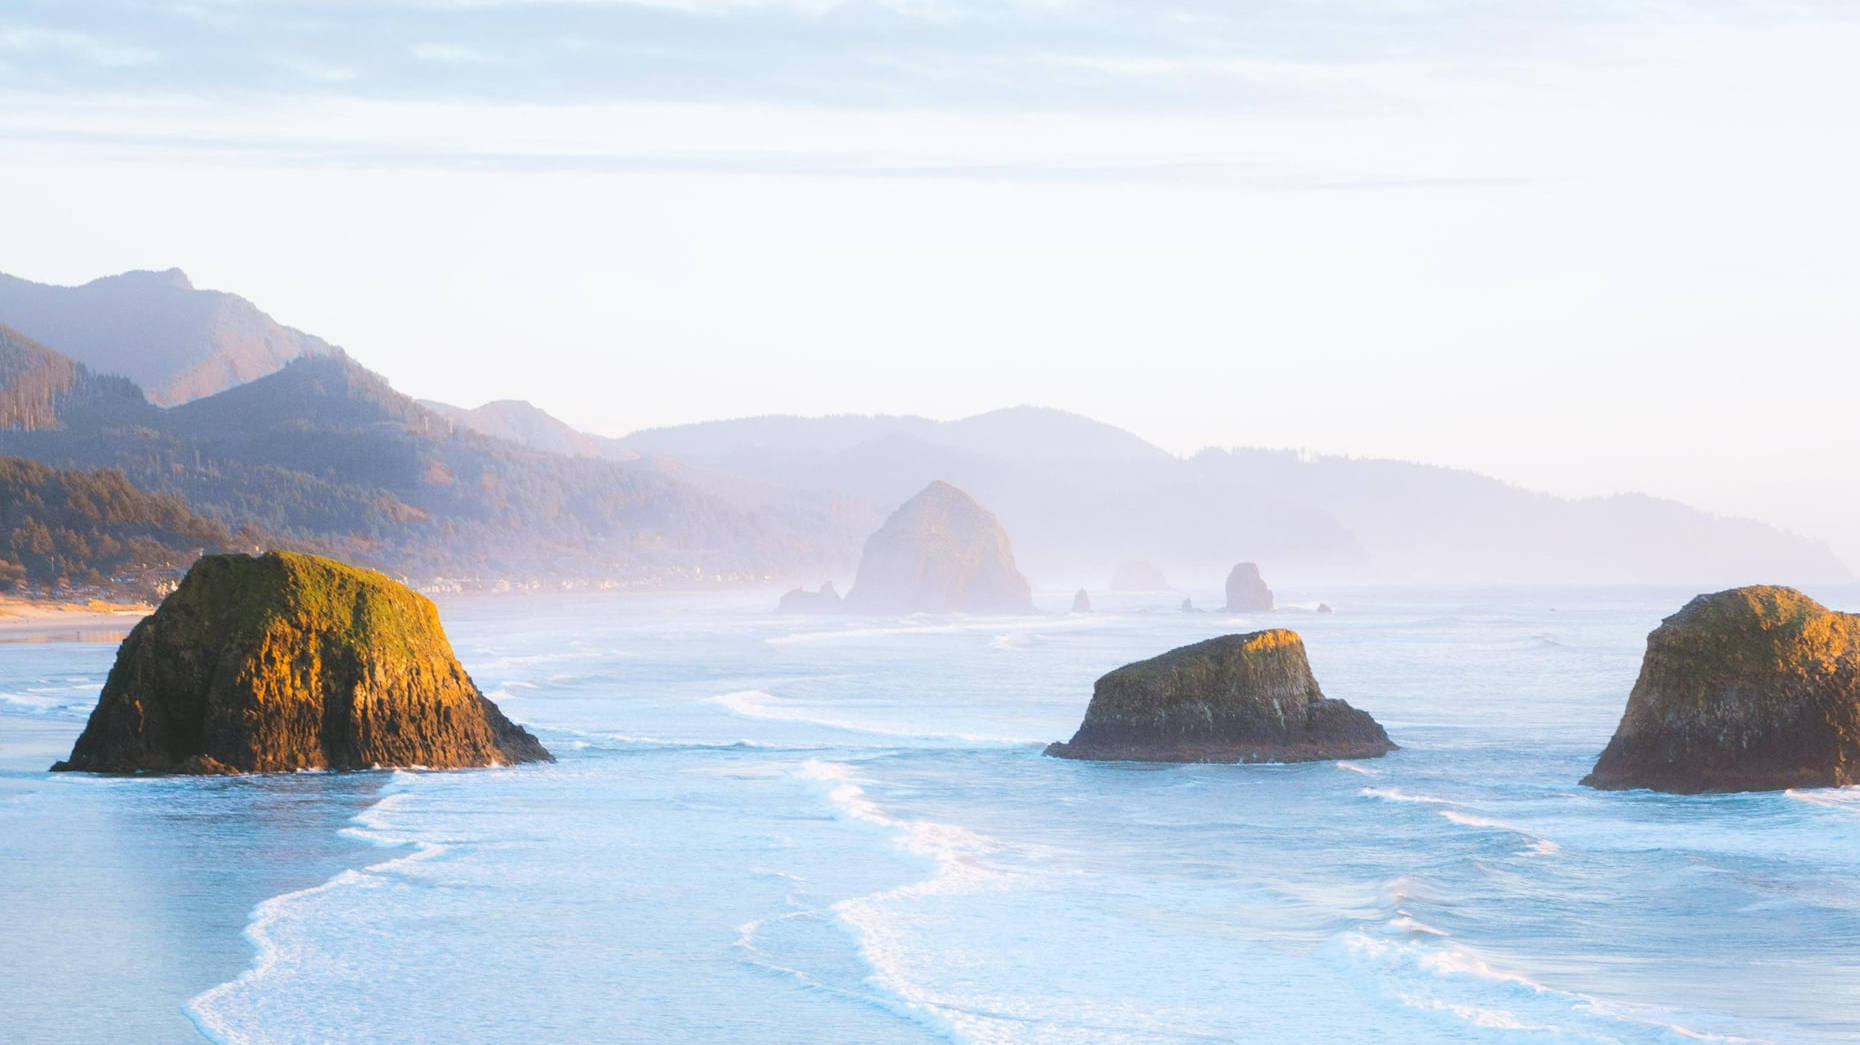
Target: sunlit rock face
{"type": "Point", "coordinates": [283, 662]}
{"type": "Point", "coordinates": [1237, 698]}
{"type": "Point", "coordinates": [1247, 591]}
{"type": "Point", "coordinates": [1752, 689]}
{"type": "Point", "coordinates": [939, 553]}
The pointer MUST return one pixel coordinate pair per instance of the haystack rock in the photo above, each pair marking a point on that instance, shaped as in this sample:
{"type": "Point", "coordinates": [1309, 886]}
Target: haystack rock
{"type": "Point", "coordinates": [1188, 605]}
{"type": "Point", "coordinates": [939, 553]}
{"type": "Point", "coordinates": [1081, 603]}
{"type": "Point", "coordinates": [800, 600]}
{"type": "Point", "coordinates": [282, 662]}
{"type": "Point", "coordinates": [1753, 689]}
{"type": "Point", "coordinates": [1238, 698]}
{"type": "Point", "coordinates": [1137, 576]}
{"type": "Point", "coordinates": [1247, 591]}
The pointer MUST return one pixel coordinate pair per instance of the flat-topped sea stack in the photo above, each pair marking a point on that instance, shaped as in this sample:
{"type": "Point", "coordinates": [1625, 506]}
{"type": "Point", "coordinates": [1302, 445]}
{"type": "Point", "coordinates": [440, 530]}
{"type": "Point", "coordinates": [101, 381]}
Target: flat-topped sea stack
{"type": "Point", "coordinates": [939, 553]}
{"type": "Point", "coordinates": [280, 662]}
{"type": "Point", "coordinates": [1238, 698]}
{"type": "Point", "coordinates": [1247, 591]}
{"type": "Point", "coordinates": [1752, 689]}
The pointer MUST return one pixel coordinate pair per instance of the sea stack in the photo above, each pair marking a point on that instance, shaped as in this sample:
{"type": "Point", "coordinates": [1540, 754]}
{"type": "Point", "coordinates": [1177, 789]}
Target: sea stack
{"type": "Point", "coordinates": [1247, 591]}
{"type": "Point", "coordinates": [1237, 698]}
{"type": "Point", "coordinates": [1752, 689]}
{"type": "Point", "coordinates": [1081, 603]}
{"type": "Point", "coordinates": [280, 662]}
{"type": "Point", "coordinates": [800, 600]}
{"type": "Point", "coordinates": [940, 552]}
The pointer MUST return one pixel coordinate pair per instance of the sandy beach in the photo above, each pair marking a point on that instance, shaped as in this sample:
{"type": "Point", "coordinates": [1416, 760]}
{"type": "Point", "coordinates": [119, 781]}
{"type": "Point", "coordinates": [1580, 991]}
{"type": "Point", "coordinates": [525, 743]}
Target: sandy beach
{"type": "Point", "coordinates": [29, 620]}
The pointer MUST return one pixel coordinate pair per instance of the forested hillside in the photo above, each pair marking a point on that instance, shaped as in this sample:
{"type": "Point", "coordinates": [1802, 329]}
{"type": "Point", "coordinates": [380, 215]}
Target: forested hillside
{"type": "Point", "coordinates": [63, 529]}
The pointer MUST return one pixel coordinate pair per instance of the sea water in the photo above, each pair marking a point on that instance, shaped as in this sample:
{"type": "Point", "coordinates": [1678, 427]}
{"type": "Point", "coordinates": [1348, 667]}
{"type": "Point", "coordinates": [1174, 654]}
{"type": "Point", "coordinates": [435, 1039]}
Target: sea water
{"type": "Point", "coordinates": [769, 829]}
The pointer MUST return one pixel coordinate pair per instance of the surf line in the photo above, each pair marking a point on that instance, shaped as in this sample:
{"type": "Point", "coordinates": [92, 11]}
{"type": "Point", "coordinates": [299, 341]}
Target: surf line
{"type": "Point", "coordinates": [208, 1009]}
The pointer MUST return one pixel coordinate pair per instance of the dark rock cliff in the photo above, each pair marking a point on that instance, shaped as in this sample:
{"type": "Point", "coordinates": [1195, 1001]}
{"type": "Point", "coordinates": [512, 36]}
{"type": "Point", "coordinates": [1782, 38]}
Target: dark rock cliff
{"type": "Point", "coordinates": [1237, 698]}
{"type": "Point", "coordinates": [1752, 689]}
{"type": "Point", "coordinates": [283, 662]}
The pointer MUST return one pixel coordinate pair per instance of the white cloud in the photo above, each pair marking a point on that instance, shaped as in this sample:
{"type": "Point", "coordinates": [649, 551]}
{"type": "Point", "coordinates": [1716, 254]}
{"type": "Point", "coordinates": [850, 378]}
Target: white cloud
{"type": "Point", "coordinates": [84, 47]}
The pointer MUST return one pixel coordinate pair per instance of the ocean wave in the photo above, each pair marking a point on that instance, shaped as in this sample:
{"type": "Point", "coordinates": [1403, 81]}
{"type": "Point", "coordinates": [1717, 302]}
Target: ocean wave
{"type": "Point", "coordinates": [1421, 968]}
{"type": "Point", "coordinates": [1395, 794]}
{"type": "Point", "coordinates": [1357, 767]}
{"type": "Point", "coordinates": [214, 1012]}
{"type": "Point", "coordinates": [1845, 798]}
{"type": "Point", "coordinates": [1537, 843]}
{"type": "Point", "coordinates": [957, 855]}
{"type": "Point", "coordinates": [935, 626]}
{"type": "Point", "coordinates": [755, 703]}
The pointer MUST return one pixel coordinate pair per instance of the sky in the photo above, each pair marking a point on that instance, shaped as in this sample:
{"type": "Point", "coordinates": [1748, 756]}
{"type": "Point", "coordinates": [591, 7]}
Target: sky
{"type": "Point", "coordinates": [1584, 246]}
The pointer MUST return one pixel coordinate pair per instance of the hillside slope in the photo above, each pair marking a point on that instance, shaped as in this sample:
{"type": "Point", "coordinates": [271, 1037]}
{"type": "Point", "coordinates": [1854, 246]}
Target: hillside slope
{"type": "Point", "coordinates": [174, 341]}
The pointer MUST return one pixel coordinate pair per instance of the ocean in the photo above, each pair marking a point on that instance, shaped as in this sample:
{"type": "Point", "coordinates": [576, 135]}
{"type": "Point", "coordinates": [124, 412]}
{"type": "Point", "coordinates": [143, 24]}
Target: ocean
{"type": "Point", "coordinates": [769, 829]}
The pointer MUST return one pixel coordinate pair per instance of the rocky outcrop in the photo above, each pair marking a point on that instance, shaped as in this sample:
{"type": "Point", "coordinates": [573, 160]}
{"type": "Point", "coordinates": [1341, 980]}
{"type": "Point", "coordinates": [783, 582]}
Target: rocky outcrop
{"type": "Point", "coordinates": [1324, 607]}
{"type": "Point", "coordinates": [1138, 576]}
{"type": "Point", "coordinates": [1081, 602]}
{"type": "Point", "coordinates": [1238, 698]}
{"type": "Point", "coordinates": [283, 662]}
{"type": "Point", "coordinates": [800, 600]}
{"type": "Point", "coordinates": [1753, 689]}
{"type": "Point", "coordinates": [1188, 605]}
{"type": "Point", "coordinates": [1247, 591]}
{"type": "Point", "coordinates": [940, 552]}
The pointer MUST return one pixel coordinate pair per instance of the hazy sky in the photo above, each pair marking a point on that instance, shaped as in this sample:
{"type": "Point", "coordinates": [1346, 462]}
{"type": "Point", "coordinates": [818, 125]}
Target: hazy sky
{"type": "Point", "coordinates": [1587, 245]}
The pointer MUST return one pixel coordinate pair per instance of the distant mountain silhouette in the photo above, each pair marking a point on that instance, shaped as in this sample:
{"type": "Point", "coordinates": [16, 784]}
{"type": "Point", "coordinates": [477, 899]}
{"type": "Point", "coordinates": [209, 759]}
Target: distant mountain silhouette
{"type": "Point", "coordinates": [325, 452]}
{"type": "Point", "coordinates": [156, 329]}
{"type": "Point", "coordinates": [1077, 494]}
{"type": "Point", "coordinates": [527, 425]}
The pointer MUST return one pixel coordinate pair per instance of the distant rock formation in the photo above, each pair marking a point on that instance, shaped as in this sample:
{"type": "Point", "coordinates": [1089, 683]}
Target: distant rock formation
{"type": "Point", "coordinates": [1324, 607]}
{"type": "Point", "coordinates": [1137, 576]}
{"type": "Point", "coordinates": [940, 552]}
{"type": "Point", "coordinates": [1081, 603]}
{"type": "Point", "coordinates": [800, 600]}
{"type": "Point", "coordinates": [1247, 591]}
{"type": "Point", "coordinates": [1752, 689]}
{"type": "Point", "coordinates": [282, 662]}
{"type": "Point", "coordinates": [1237, 698]}
{"type": "Point", "coordinates": [1188, 605]}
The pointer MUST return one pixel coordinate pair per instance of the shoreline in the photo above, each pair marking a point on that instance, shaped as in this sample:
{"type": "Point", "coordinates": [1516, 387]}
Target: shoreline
{"type": "Point", "coordinates": [32, 620]}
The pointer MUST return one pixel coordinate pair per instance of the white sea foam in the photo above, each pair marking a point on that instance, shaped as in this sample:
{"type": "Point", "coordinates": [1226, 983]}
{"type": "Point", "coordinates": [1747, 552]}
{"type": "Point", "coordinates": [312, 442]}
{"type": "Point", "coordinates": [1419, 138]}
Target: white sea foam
{"type": "Point", "coordinates": [1427, 971]}
{"type": "Point", "coordinates": [755, 703]}
{"type": "Point", "coordinates": [1846, 798]}
{"type": "Point", "coordinates": [1538, 844]}
{"type": "Point", "coordinates": [1357, 767]}
{"type": "Point", "coordinates": [1395, 794]}
{"type": "Point", "coordinates": [957, 854]}
{"type": "Point", "coordinates": [214, 1011]}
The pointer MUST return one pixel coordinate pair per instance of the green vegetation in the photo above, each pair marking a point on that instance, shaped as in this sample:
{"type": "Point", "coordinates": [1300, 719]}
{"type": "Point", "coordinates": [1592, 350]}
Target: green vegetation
{"type": "Point", "coordinates": [60, 529]}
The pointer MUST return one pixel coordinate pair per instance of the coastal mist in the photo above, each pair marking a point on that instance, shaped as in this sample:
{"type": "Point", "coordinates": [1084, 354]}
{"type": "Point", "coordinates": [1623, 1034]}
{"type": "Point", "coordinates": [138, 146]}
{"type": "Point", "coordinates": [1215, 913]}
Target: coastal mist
{"type": "Point", "coordinates": [781, 829]}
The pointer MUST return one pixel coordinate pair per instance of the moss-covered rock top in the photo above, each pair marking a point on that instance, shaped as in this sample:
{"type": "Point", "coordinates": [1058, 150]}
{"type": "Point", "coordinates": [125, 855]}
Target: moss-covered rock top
{"type": "Point", "coordinates": [286, 661]}
{"type": "Point", "coordinates": [1236, 698]}
{"type": "Point", "coordinates": [1755, 688]}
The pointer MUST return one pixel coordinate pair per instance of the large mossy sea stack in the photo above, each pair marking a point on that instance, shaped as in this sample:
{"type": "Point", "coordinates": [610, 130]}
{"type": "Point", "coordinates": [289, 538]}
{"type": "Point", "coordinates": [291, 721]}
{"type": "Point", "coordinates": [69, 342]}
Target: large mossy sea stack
{"type": "Point", "coordinates": [282, 662]}
{"type": "Point", "coordinates": [940, 552]}
{"type": "Point", "coordinates": [1237, 698]}
{"type": "Point", "coordinates": [1753, 689]}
